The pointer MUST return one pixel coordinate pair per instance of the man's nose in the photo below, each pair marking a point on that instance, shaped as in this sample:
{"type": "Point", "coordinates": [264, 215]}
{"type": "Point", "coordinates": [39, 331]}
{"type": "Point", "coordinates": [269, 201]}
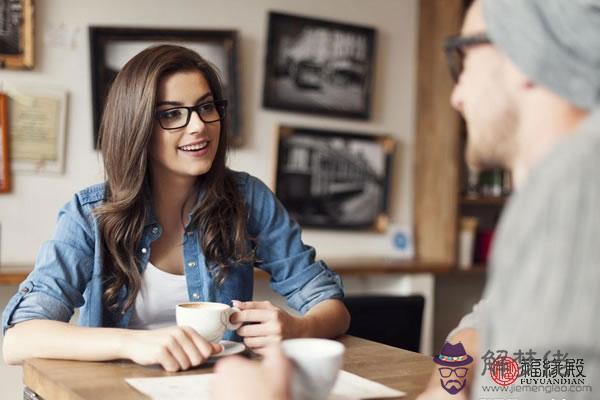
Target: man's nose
{"type": "Point", "coordinates": [456, 98]}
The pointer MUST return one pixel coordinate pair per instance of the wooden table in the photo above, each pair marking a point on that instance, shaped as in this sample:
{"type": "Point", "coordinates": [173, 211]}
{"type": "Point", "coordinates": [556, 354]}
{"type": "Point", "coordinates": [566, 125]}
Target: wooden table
{"type": "Point", "coordinates": [77, 380]}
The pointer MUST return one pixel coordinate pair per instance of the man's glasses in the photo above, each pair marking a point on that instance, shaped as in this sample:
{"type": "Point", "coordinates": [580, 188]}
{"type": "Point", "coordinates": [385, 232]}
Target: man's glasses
{"type": "Point", "coordinates": [455, 51]}
{"type": "Point", "coordinates": [459, 372]}
{"type": "Point", "coordinates": [179, 117]}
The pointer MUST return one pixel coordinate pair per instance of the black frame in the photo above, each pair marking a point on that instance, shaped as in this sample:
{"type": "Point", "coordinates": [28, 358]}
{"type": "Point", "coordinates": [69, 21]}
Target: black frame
{"type": "Point", "coordinates": [17, 41]}
{"type": "Point", "coordinates": [334, 180]}
{"type": "Point", "coordinates": [291, 49]}
{"type": "Point", "coordinates": [101, 74]}
{"type": "Point", "coordinates": [4, 145]}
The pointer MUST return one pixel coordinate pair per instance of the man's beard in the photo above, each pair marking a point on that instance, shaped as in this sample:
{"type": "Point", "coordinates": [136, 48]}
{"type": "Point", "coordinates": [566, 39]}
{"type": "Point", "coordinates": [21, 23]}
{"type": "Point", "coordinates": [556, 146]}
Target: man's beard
{"type": "Point", "coordinates": [492, 143]}
{"type": "Point", "coordinates": [451, 386]}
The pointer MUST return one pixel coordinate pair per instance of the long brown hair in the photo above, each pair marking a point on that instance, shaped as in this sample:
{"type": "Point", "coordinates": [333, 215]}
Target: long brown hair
{"type": "Point", "coordinates": [125, 130]}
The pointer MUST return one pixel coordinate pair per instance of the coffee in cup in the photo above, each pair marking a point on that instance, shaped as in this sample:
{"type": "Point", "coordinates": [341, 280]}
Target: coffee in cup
{"type": "Point", "coordinates": [210, 320]}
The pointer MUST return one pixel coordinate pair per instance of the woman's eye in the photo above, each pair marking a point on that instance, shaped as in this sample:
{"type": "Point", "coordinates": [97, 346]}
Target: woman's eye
{"type": "Point", "coordinates": [207, 108]}
{"type": "Point", "coordinates": [171, 114]}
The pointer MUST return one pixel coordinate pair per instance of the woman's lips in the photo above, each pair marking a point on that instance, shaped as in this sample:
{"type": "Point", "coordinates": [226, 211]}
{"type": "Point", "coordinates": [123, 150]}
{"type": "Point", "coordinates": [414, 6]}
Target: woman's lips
{"type": "Point", "coordinates": [195, 150]}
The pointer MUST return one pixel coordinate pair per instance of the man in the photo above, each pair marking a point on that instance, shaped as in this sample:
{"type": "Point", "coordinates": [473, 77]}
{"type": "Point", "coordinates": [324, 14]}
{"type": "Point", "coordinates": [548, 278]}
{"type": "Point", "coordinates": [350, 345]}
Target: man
{"type": "Point", "coordinates": [528, 86]}
{"type": "Point", "coordinates": [531, 77]}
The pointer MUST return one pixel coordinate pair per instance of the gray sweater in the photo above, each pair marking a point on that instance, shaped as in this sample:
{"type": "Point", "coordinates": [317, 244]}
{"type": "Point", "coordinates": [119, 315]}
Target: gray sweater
{"type": "Point", "coordinates": [543, 289]}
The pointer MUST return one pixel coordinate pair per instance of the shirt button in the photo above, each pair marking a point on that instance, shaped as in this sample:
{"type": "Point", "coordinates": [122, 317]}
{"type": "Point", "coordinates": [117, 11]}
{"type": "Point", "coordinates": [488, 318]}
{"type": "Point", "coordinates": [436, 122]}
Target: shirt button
{"type": "Point", "coordinates": [195, 296]}
{"type": "Point", "coordinates": [25, 290]}
{"type": "Point", "coordinates": [144, 250]}
{"type": "Point", "coordinates": [191, 264]}
{"type": "Point", "coordinates": [155, 230]}
{"type": "Point", "coordinates": [190, 233]}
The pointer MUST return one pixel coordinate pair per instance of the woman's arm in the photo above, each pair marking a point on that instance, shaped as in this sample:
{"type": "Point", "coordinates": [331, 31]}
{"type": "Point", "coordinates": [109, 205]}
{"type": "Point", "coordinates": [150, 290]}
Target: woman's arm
{"type": "Point", "coordinates": [174, 348]}
{"type": "Point", "coordinates": [327, 319]}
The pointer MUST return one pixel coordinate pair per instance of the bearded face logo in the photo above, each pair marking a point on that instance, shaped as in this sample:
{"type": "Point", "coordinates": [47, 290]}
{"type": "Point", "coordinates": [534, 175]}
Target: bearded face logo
{"type": "Point", "coordinates": [452, 361]}
{"type": "Point", "coordinates": [453, 380]}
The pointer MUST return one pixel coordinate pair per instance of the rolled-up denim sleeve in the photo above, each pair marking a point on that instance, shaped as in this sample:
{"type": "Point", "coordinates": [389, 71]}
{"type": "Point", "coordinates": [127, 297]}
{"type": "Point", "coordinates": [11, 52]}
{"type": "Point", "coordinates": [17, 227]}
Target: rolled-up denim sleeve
{"type": "Point", "coordinates": [62, 270]}
{"type": "Point", "coordinates": [295, 273]}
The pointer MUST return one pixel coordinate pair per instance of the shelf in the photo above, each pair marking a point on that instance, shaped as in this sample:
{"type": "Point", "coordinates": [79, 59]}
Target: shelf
{"type": "Point", "coordinates": [15, 274]}
{"type": "Point", "coordinates": [477, 269]}
{"type": "Point", "coordinates": [484, 201]}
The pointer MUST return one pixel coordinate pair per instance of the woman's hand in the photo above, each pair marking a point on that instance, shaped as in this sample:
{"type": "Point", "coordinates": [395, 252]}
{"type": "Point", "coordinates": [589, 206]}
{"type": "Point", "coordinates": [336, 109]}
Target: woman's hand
{"type": "Point", "coordinates": [174, 348]}
{"type": "Point", "coordinates": [268, 324]}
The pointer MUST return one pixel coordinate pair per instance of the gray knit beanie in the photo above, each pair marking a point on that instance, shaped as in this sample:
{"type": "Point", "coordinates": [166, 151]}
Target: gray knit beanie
{"type": "Point", "coordinates": [556, 43]}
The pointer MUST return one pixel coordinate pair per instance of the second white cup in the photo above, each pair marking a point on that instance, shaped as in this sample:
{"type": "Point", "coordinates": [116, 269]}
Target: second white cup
{"type": "Point", "coordinates": [317, 363]}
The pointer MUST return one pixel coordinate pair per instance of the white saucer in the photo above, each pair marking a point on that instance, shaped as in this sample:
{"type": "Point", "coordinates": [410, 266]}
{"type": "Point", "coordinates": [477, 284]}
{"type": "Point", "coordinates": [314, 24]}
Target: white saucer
{"type": "Point", "coordinates": [229, 348]}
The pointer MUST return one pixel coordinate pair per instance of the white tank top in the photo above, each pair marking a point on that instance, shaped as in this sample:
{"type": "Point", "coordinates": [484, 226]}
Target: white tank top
{"type": "Point", "coordinates": [155, 302]}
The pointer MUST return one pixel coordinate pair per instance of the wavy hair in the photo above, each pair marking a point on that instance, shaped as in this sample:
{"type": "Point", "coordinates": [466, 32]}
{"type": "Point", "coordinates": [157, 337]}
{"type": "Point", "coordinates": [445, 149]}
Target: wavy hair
{"type": "Point", "coordinates": [125, 130]}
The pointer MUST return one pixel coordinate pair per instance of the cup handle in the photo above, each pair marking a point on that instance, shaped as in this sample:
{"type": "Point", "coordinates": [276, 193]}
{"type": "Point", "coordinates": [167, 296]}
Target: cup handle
{"type": "Point", "coordinates": [226, 317]}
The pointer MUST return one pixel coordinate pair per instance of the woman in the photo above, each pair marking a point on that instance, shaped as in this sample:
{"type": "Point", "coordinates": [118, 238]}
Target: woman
{"type": "Point", "coordinates": [170, 224]}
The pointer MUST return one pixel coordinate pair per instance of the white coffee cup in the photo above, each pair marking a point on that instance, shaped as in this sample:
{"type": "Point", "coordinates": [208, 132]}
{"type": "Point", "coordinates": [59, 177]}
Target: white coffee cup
{"type": "Point", "coordinates": [210, 320]}
{"type": "Point", "coordinates": [317, 363]}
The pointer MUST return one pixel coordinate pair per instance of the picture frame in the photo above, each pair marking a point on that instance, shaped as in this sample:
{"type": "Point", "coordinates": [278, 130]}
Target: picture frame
{"type": "Point", "coordinates": [16, 34]}
{"type": "Point", "coordinates": [319, 66]}
{"type": "Point", "coordinates": [38, 117]}
{"type": "Point", "coordinates": [4, 149]}
{"type": "Point", "coordinates": [112, 47]}
{"type": "Point", "coordinates": [333, 179]}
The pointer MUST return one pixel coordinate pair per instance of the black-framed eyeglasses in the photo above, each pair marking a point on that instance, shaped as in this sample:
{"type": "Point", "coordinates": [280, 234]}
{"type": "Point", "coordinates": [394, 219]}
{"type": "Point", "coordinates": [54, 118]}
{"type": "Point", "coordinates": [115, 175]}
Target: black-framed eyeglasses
{"type": "Point", "coordinates": [459, 372]}
{"type": "Point", "coordinates": [179, 117]}
{"type": "Point", "coordinates": [455, 51]}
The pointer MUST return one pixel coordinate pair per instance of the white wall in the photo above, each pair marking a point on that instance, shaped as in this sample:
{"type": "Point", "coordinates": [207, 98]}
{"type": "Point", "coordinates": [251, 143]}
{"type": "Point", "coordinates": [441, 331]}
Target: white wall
{"type": "Point", "coordinates": [28, 214]}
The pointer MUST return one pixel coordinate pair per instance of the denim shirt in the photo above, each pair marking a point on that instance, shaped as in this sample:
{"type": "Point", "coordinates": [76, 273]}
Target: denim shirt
{"type": "Point", "coordinates": [68, 269]}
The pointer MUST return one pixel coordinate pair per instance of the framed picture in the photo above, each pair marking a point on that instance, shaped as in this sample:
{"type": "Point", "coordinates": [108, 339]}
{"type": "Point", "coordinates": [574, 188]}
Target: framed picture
{"type": "Point", "coordinates": [37, 117]}
{"type": "Point", "coordinates": [4, 161]}
{"type": "Point", "coordinates": [334, 180]}
{"type": "Point", "coordinates": [16, 34]}
{"type": "Point", "coordinates": [317, 66]}
{"type": "Point", "coordinates": [112, 47]}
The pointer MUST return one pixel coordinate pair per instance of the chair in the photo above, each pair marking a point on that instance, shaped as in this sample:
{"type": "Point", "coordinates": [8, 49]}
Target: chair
{"type": "Point", "coordinates": [392, 320]}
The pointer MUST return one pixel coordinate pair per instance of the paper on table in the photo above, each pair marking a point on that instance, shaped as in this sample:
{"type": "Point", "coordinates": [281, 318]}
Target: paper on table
{"type": "Point", "coordinates": [353, 387]}
{"type": "Point", "coordinates": [185, 387]}
{"type": "Point", "coordinates": [193, 387]}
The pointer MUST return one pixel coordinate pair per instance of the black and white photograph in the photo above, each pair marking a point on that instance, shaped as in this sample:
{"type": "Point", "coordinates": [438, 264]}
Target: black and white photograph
{"type": "Point", "coordinates": [112, 47]}
{"type": "Point", "coordinates": [334, 180]}
{"type": "Point", "coordinates": [16, 34]}
{"type": "Point", "coordinates": [319, 66]}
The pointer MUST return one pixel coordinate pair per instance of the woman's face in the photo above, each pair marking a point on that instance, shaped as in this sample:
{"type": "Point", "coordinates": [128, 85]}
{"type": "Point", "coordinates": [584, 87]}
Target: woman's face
{"type": "Point", "coordinates": [189, 151]}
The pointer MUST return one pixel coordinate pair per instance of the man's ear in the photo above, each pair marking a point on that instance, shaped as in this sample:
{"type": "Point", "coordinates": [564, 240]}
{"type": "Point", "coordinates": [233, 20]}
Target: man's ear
{"type": "Point", "coordinates": [528, 84]}
{"type": "Point", "coordinates": [515, 78]}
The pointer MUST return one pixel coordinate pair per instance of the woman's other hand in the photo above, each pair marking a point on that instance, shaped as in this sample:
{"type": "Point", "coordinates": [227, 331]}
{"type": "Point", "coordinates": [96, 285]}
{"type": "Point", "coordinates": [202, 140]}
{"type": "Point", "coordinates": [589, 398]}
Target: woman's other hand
{"type": "Point", "coordinates": [175, 348]}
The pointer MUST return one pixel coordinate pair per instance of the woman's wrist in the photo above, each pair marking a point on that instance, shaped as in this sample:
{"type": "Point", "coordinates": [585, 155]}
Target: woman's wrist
{"type": "Point", "coordinates": [123, 340]}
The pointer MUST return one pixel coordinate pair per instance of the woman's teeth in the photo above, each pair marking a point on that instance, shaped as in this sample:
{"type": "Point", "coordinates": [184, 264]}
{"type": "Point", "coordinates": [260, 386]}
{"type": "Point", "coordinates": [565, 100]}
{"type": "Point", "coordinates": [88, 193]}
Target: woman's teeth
{"type": "Point", "coordinates": [194, 147]}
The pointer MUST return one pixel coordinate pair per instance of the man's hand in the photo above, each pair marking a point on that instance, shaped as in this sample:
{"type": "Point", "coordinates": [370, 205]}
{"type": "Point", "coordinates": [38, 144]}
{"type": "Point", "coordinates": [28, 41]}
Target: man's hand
{"type": "Point", "coordinates": [241, 379]}
{"type": "Point", "coordinates": [438, 393]}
